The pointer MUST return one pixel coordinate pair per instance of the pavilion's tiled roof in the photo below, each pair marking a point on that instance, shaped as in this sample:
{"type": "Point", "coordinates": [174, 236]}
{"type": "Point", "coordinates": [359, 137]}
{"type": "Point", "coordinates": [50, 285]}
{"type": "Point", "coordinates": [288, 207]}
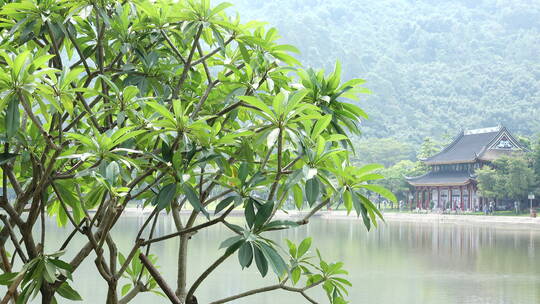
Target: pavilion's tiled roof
{"type": "Point", "coordinates": [447, 178]}
{"type": "Point", "coordinates": [465, 148]}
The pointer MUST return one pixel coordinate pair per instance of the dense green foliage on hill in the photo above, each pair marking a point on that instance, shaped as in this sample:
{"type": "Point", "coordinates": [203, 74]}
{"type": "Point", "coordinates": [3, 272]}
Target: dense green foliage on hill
{"type": "Point", "coordinates": [433, 66]}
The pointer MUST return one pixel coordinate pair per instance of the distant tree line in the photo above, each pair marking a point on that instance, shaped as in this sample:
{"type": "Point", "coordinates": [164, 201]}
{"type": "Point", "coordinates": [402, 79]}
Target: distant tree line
{"type": "Point", "coordinates": [433, 66]}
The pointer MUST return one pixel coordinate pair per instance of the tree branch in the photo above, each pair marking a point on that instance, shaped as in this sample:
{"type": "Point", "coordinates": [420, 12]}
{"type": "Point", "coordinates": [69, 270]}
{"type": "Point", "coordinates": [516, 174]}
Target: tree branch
{"type": "Point", "coordinates": [213, 52]}
{"type": "Point", "coordinates": [139, 287]}
{"type": "Point", "coordinates": [14, 240]}
{"type": "Point", "coordinates": [187, 64]}
{"type": "Point", "coordinates": [206, 273]}
{"type": "Point", "coordinates": [159, 279]}
{"type": "Point", "coordinates": [190, 230]}
{"type": "Point", "coordinates": [270, 288]}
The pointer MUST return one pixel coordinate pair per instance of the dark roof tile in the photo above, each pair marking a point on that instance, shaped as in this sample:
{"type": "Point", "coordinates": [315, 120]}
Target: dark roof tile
{"type": "Point", "coordinates": [441, 178]}
{"type": "Point", "coordinates": [465, 148]}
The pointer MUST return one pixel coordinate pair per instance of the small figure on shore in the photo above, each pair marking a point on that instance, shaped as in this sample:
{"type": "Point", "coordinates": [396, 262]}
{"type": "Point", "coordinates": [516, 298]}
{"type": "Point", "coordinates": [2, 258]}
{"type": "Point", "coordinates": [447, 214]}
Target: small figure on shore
{"type": "Point", "coordinates": [491, 207]}
{"type": "Point", "coordinates": [516, 207]}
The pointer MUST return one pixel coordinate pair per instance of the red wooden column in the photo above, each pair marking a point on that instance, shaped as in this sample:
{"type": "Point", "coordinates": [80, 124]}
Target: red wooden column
{"type": "Point", "coordinates": [421, 202]}
{"type": "Point", "coordinates": [426, 201]}
{"type": "Point", "coordinates": [428, 195]}
{"type": "Point", "coordinates": [424, 197]}
{"type": "Point", "coordinates": [469, 196]}
{"type": "Point", "coordinates": [450, 197]}
{"type": "Point", "coordinates": [417, 190]}
{"type": "Point", "coordinates": [439, 197]}
{"type": "Point", "coordinates": [461, 197]}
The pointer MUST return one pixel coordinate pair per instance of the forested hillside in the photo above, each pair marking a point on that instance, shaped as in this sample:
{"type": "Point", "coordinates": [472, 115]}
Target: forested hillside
{"type": "Point", "coordinates": [433, 66]}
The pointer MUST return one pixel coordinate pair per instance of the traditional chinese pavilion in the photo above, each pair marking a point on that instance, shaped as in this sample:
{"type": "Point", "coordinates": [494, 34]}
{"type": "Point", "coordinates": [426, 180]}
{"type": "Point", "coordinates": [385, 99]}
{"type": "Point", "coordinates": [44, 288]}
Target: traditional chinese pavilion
{"type": "Point", "coordinates": [451, 182]}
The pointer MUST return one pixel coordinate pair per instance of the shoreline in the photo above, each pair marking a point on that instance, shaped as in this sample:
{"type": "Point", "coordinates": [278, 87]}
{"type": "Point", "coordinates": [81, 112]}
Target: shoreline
{"type": "Point", "coordinates": [502, 221]}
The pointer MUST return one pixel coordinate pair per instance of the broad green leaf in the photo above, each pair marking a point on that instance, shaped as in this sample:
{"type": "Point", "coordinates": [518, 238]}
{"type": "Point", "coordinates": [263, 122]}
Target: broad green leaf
{"type": "Point", "coordinates": [165, 196]}
{"type": "Point", "coordinates": [125, 289]}
{"type": "Point", "coordinates": [112, 172]}
{"type": "Point", "coordinates": [162, 111]}
{"type": "Point", "coordinates": [220, 7]}
{"type": "Point", "coordinates": [61, 264]}
{"type": "Point", "coordinates": [50, 272]}
{"type": "Point", "coordinates": [382, 191]}
{"type": "Point", "coordinates": [12, 117]}
{"type": "Point", "coordinates": [368, 169]}
{"type": "Point", "coordinates": [7, 278]}
{"type": "Point", "coordinates": [245, 255]}
{"type": "Point", "coordinates": [347, 200]}
{"type": "Point", "coordinates": [365, 216]}
{"type": "Point", "coordinates": [243, 172]}
{"type": "Point", "coordinates": [223, 204]}
{"type": "Point", "coordinates": [277, 103]}
{"type": "Point", "coordinates": [193, 199]}
{"type": "Point", "coordinates": [304, 247]}
{"type": "Point", "coordinates": [260, 261]}
{"type": "Point", "coordinates": [298, 196]}
{"type": "Point", "coordinates": [312, 190]}
{"type": "Point", "coordinates": [123, 135]}
{"type": "Point", "coordinates": [294, 100]}
{"type": "Point", "coordinates": [263, 214]}
{"type": "Point", "coordinates": [228, 242]}
{"type": "Point", "coordinates": [279, 224]}
{"type": "Point", "coordinates": [66, 192]}
{"type": "Point", "coordinates": [257, 103]}
{"type": "Point", "coordinates": [85, 139]}
{"type": "Point", "coordinates": [276, 261]}
{"type": "Point", "coordinates": [249, 212]}
{"type": "Point", "coordinates": [320, 126]}
{"type": "Point", "coordinates": [295, 274]}
{"type": "Point", "coordinates": [6, 157]}
{"type": "Point", "coordinates": [69, 293]}
{"type": "Point", "coordinates": [356, 203]}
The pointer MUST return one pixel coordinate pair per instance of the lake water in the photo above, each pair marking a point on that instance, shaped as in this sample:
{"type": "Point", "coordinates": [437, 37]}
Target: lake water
{"type": "Point", "coordinates": [400, 262]}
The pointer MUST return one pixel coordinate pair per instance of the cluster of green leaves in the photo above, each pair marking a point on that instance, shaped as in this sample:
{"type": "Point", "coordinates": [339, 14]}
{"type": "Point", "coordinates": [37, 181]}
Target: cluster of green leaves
{"type": "Point", "coordinates": [137, 274]}
{"type": "Point", "coordinates": [327, 274]}
{"type": "Point", "coordinates": [40, 270]}
{"type": "Point", "coordinates": [178, 105]}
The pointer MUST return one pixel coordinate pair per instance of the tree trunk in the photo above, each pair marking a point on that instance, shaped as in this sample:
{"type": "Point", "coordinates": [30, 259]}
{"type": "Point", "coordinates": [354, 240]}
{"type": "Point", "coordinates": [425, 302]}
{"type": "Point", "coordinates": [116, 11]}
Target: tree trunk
{"type": "Point", "coordinates": [112, 297]}
{"type": "Point", "coordinates": [47, 294]}
{"type": "Point", "coordinates": [181, 291]}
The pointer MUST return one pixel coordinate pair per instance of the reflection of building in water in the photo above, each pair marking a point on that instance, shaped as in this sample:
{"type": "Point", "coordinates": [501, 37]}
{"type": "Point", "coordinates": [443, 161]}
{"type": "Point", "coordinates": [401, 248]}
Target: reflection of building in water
{"type": "Point", "coordinates": [451, 183]}
{"type": "Point", "coordinates": [472, 246]}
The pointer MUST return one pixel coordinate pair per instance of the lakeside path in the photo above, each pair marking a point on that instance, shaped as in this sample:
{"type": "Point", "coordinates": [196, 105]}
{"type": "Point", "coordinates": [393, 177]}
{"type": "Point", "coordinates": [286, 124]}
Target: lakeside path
{"type": "Point", "coordinates": [499, 221]}
{"type": "Point", "coordinates": [519, 222]}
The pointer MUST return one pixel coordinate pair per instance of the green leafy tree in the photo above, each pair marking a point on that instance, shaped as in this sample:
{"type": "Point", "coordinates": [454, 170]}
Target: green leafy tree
{"type": "Point", "coordinates": [181, 107]}
{"type": "Point", "coordinates": [428, 148]}
{"type": "Point", "coordinates": [488, 184]}
{"type": "Point", "coordinates": [510, 178]}
{"type": "Point", "coordinates": [535, 155]}
{"type": "Point", "coordinates": [395, 177]}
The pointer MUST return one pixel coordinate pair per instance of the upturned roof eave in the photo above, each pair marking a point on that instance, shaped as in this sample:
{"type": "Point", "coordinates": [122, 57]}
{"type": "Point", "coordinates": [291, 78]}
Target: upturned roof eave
{"type": "Point", "coordinates": [442, 184]}
{"type": "Point", "coordinates": [456, 139]}
{"type": "Point", "coordinates": [452, 162]}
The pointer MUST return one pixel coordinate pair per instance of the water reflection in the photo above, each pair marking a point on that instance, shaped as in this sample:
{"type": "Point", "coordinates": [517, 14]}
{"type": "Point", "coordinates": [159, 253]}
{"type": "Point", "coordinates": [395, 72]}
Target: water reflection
{"type": "Point", "coordinates": [400, 262]}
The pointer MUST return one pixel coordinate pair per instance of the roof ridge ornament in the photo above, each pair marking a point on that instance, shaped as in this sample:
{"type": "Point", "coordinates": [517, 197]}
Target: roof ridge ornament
{"type": "Point", "coordinates": [483, 130]}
